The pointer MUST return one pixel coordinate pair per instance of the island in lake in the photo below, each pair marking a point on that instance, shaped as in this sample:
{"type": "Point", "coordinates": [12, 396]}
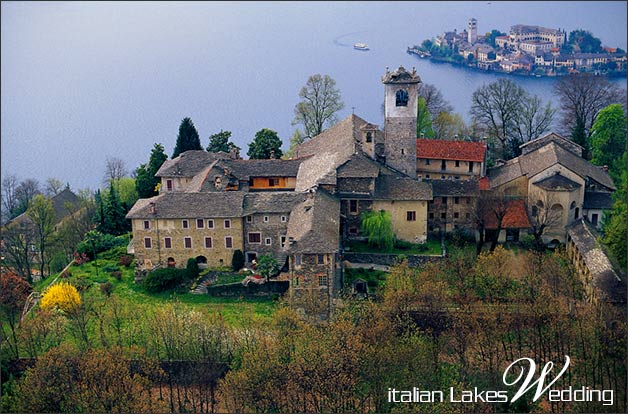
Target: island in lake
{"type": "Point", "coordinates": [526, 50]}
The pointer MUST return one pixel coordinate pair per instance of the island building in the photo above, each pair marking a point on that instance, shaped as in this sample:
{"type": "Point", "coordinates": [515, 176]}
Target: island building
{"type": "Point", "coordinates": [472, 31]}
{"type": "Point", "coordinates": [304, 210]}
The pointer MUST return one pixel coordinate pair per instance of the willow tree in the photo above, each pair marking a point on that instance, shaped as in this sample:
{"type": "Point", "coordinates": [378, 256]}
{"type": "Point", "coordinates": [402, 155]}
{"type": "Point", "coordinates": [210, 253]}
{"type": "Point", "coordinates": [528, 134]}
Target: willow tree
{"type": "Point", "coordinates": [377, 225]}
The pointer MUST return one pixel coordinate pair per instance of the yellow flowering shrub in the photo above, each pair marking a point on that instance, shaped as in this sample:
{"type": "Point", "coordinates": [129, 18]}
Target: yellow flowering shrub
{"type": "Point", "coordinates": [61, 295]}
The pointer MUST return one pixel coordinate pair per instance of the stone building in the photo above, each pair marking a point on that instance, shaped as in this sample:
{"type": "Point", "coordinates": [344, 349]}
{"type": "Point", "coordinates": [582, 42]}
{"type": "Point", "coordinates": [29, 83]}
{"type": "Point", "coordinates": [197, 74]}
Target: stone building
{"type": "Point", "coordinates": [443, 159]}
{"type": "Point", "coordinates": [552, 177]}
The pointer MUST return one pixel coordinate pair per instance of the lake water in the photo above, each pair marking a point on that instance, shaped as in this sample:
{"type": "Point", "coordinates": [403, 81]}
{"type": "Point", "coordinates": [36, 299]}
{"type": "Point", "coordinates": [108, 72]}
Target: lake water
{"type": "Point", "coordinates": [84, 81]}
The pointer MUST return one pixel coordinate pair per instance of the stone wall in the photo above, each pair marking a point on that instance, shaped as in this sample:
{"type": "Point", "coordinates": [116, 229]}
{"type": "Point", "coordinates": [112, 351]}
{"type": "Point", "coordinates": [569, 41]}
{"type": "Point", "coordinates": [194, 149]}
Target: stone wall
{"type": "Point", "coordinates": [389, 259]}
{"type": "Point", "coordinates": [252, 290]}
{"type": "Point", "coordinates": [273, 228]}
{"type": "Point", "coordinates": [356, 185]}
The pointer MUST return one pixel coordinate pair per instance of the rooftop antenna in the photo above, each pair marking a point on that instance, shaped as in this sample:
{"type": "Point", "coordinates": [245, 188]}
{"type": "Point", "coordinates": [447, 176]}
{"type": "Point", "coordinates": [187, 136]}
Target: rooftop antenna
{"type": "Point", "coordinates": [353, 110]}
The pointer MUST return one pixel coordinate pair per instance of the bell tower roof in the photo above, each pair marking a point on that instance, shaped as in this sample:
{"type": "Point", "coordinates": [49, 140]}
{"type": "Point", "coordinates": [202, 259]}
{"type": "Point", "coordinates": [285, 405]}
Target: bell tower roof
{"type": "Point", "coordinates": [401, 75]}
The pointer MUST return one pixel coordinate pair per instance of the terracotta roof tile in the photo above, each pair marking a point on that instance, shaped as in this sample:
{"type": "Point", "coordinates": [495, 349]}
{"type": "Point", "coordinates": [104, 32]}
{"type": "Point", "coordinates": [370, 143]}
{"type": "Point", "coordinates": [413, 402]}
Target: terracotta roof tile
{"type": "Point", "coordinates": [450, 150]}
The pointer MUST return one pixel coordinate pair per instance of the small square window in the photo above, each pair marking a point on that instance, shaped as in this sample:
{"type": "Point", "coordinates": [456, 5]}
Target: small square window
{"type": "Point", "coordinates": [268, 241]}
{"type": "Point", "coordinates": [411, 215]}
{"type": "Point", "coordinates": [427, 162]}
{"type": "Point", "coordinates": [167, 242]}
{"type": "Point", "coordinates": [266, 219]}
{"type": "Point", "coordinates": [443, 215]}
{"type": "Point", "coordinates": [456, 200]}
{"type": "Point", "coordinates": [457, 163]}
{"type": "Point", "coordinates": [148, 242]}
{"type": "Point", "coordinates": [284, 219]}
{"type": "Point", "coordinates": [353, 231]}
{"type": "Point", "coordinates": [227, 224]}
{"type": "Point", "coordinates": [208, 242]}
{"type": "Point", "coordinates": [169, 185]}
{"type": "Point", "coordinates": [146, 224]}
{"type": "Point", "coordinates": [322, 280]}
{"type": "Point", "coordinates": [353, 206]}
{"type": "Point", "coordinates": [456, 214]}
{"type": "Point", "coordinates": [283, 241]}
{"type": "Point", "coordinates": [427, 176]}
{"type": "Point", "coordinates": [228, 242]}
{"type": "Point", "coordinates": [210, 224]}
{"type": "Point", "coordinates": [273, 182]}
{"type": "Point", "coordinates": [255, 237]}
{"type": "Point", "coordinates": [249, 219]}
{"type": "Point", "coordinates": [187, 242]}
{"type": "Point", "coordinates": [320, 259]}
{"type": "Point", "coordinates": [444, 200]}
{"type": "Point", "coordinates": [185, 224]}
{"type": "Point", "coordinates": [200, 223]}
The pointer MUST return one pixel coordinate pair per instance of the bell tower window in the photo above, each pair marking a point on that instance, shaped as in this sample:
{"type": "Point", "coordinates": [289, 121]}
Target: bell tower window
{"type": "Point", "coordinates": [369, 137]}
{"type": "Point", "coordinates": [401, 98]}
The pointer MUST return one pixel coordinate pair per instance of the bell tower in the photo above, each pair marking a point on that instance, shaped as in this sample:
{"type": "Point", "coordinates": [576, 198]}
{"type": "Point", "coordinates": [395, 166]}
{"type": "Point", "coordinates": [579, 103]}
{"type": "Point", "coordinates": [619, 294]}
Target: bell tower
{"type": "Point", "coordinates": [400, 111]}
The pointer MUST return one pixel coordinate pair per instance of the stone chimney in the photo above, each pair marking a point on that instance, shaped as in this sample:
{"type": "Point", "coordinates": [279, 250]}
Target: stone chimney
{"type": "Point", "coordinates": [272, 154]}
{"type": "Point", "coordinates": [151, 208]}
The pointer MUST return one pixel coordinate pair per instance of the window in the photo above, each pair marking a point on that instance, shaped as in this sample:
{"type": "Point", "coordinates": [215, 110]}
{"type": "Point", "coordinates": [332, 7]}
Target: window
{"type": "Point", "coordinates": [266, 219]}
{"type": "Point", "coordinates": [200, 223]}
{"type": "Point", "coordinates": [284, 219]}
{"type": "Point", "coordinates": [208, 242]}
{"type": "Point", "coordinates": [185, 224]}
{"type": "Point", "coordinates": [353, 231]}
{"type": "Point", "coordinates": [535, 211]}
{"type": "Point", "coordinates": [273, 182]}
{"type": "Point", "coordinates": [457, 163]}
{"type": "Point", "coordinates": [456, 200]}
{"type": "Point", "coordinates": [320, 259]}
{"type": "Point", "coordinates": [296, 281]}
{"type": "Point", "coordinates": [427, 161]}
{"type": "Point", "coordinates": [411, 215]}
{"type": "Point", "coordinates": [573, 205]}
{"type": "Point", "coordinates": [427, 176]}
{"type": "Point", "coordinates": [227, 224]}
{"type": "Point", "coordinates": [255, 237]}
{"type": "Point", "coordinates": [148, 242]}
{"type": "Point", "coordinates": [431, 215]}
{"type": "Point", "coordinates": [168, 242]}
{"type": "Point", "coordinates": [401, 98]}
{"type": "Point", "coordinates": [443, 215]}
{"type": "Point", "coordinates": [249, 219]}
{"type": "Point", "coordinates": [169, 185]}
{"type": "Point", "coordinates": [297, 260]}
{"type": "Point", "coordinates": [403, 151]}
{"type": "Point", "coordinates": [210, 224]}
{"type": "Point", "coordinates": [442, 177]}
{"type": "Point", "coordinates": [187, 242]}
{"type": "Point", "coordinates": [146, 224]}
{"type": "Point", "coordinates": [470, 166]}
{"type": "Point", "coordinates": [228, 242]}
{"type": "Point", "coordinates": [457, 177]}
{"type": "Point", "coordinates": [369, 137]}
{"type": "Point", "coordinates": [282, 239]}
{"type": "Point", "coordinates": [353, 206]}
{"type": "Point", "coordinates": [322, 280]}
{"type": "Point", "coordinates": [594, 219]}
{"type": "Point", "coordinates": [468, 200]}
{"type": "Point", "coordinates": [268, 241]}
{"type": "Point", "coordinates": [577, 212]}
{"type": "Point", "coordinates": [456, 214]}
{"type": "Point", "coordinates": [444, 200]}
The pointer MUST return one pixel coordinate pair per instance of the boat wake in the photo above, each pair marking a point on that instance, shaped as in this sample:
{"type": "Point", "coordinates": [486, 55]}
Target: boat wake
{"type": "Point", "coordinates": [338, 40]}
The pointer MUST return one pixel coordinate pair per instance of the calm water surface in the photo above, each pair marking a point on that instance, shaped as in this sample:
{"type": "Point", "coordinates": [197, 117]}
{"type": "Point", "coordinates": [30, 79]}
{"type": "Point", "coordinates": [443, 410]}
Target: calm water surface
{"type": "Point", "coordinates": [83, 81]}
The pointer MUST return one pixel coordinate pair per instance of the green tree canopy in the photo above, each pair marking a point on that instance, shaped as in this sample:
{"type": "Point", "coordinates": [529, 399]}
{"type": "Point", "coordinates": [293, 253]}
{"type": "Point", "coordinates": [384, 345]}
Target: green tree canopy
{"type": "Point", "coordinates": [295, 140]}
{"type": "Point", "coordinates": [320, 101]}
{"type": "Point", "coordinates": [220, 142]}
{"type": "Point", "coordinates": [265, 144]}
{"type": "Point", "coordinates": [42, 214]}
{"type": "Point", "coordinates": [583, 41]}
{"type": "Point", "coordinates": [377, 226]}
{"type": "Point", "coordinates": [608, 140]}
{"type": "Point", "coordinates": [267, 266]}
{"type": "Point", "coordinates": [146, 182]}
{"type": "Point", "coordinates": [113, 219]}
{"type": "Point", "coordinates": [187, 139]}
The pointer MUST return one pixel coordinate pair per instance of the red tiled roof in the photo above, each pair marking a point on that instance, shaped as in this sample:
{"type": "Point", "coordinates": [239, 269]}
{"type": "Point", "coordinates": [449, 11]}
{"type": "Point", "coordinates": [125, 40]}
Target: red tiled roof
{"type": "Point", "coordinates": [516, 217]}
{"type": "Point", "coordinates": [441, 149]}
{"type": "Point", "coordinates": [485, 183]}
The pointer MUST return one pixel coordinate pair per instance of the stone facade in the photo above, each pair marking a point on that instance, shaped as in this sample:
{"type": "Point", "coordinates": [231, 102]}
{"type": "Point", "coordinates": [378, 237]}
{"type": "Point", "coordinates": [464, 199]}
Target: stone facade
{"type": "Point", "coordinates": [408, 218]}
{"type": "Point", "coordinates": [265, 234]}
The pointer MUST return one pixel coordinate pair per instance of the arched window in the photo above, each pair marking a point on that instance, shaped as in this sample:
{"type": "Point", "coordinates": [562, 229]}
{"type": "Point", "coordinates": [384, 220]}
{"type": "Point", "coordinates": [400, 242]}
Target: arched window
{"type": "Point", "coordinates": [573, 205]}
{"type": "Point", "coordinates": [557, 212]}
{"type": "Point", "coordinates": [369, 137]}
{"type": "Point", "coordinates": [402, 98]}
{"type": "Point", "coordinates": [535, 211]}
{"type": "Point", "coordinates": [171, 262]}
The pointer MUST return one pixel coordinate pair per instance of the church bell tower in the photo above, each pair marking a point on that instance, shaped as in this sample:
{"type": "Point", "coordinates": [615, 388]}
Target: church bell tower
{"type": "Point", "coordinates": [400, 107]}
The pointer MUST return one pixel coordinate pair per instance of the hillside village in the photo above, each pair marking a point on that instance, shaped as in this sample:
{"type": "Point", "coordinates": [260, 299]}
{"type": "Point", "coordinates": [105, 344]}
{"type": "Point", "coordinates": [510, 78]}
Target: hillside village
{"type": "Point", "coordinates": [305, 211]}
{"type": "Point", "coordinates": [526, 49]}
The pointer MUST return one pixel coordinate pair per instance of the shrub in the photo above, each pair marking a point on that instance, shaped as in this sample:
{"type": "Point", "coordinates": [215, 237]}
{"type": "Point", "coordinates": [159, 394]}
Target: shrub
{"type": "Point", "coordinates": [61, 295]}
{"type": "Point", "coordinates": [237, 261]}
{"type": "Point", "coordinates": [82, 283]}
{"type": "Point", "coordinates": [110, 268]}
{"type": "Point", "coordinates": [106, 288]}
{"type": "Point", "coordinates": [58, 262]}
{"type": "Point", "coordinates": [460, 237]}
{"type": "Point", "coordinates": [66, 274]}
{"type": "Point", "coordinates": [125, 260]}
{"type": "Point", "coordinates": [164, 279]}
{"type": "Point", "coordinates": [192, 268]}
{"type": "Point", "coordinates": [403, 245]}
{"type": "Point", "coordinates": [79, 259]}
{"type": "Point", "coordinates": [377, 225]}
{"type": "Point", "coordinates": [99, 242]}
{"type": "Point", "coordinates": [117, 275]}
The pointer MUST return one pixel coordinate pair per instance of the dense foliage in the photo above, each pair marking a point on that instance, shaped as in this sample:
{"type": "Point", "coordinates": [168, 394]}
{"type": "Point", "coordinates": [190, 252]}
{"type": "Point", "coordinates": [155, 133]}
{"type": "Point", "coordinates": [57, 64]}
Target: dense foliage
{"type": "Point", "coordinates": [163, 279]}
{"type": "Point", "coordinates": [63, 296]}
{"type": "Point", "coordinates": [220, 142]}
{"type": "Point", "coordinates": [96, 242]}
{"type": "Point", "coordinates": [188, 138]}
{"type": "Point", "coordinates": [146, 182]}
{"type": "Point", "coordinates": [237, 261]}
{"type": "Point", "coordinates": [377, 226]}
{"type": "Point", "coordinates": [266, 145]}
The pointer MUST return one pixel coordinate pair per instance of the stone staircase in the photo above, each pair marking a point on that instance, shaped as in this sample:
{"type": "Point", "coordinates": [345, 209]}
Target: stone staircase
{"type": "Point", "coordinates": [201, 287]}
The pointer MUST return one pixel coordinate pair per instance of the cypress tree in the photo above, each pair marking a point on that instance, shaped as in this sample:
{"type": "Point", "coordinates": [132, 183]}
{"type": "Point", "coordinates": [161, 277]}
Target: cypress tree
{"type": "Point", "coordinates": [188, 138]}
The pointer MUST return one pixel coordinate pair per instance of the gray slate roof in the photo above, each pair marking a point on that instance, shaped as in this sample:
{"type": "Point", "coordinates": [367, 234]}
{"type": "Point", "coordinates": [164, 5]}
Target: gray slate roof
{"type": "Point", "coordinates": [390, 187]}
{"type": "Point", "coordinates": [62, 201]}
{"type": "Point", "coordinates": [557, 182]}
{"type": "Point", "coordinates": [551, 137]}
{"type": "Point", "coordinates": [314, 224]}
{"type": "Point", "coordinates": [271, 202]}
{"type": "Point", "coordinates": [453, 188]}
{"type": "Point", "coordinates": [608, 283]}
{"type": "Point", "coordinates": [597, 200]}
{"type": "Point", "coordinates": [243, 169]}
{"type": "Point", "coordinates": [173, 205]}
{"type": "Point", "coordinates": [189, 163]}
{"type": "Point", "coordinates": [358, 166]}
{"type": "Point", "coordinates": [542, 158]}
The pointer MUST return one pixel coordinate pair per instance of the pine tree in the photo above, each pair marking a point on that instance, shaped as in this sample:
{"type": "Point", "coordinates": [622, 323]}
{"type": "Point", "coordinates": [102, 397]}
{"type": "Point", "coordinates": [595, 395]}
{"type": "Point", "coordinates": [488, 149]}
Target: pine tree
{"type": "Point", "coordinates": [114, 215]}
{"type": "Point", "coordinates": [188, 138]}
{"type": "Point", "coordinates": [146, 182]}
{"type": "Point", "coordinates": [220, 142]}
